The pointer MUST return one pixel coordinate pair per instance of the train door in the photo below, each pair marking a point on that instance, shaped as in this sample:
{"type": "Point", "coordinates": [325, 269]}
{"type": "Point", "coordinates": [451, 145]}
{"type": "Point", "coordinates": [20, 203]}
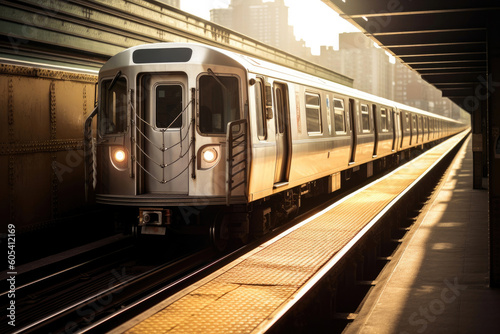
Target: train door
{"type": "Point", "coordinates": [282, 112]}
{"type": "Point", "coordinates": [162, 127]}
{"type": "Point", "coordinates": [375, 129]}
{"type": "Point", "coordinates": [395, 131]}
{"type": "Point", "coordinates": [352, 127]}
{"type": "Point", "coordinates": [414, 131]}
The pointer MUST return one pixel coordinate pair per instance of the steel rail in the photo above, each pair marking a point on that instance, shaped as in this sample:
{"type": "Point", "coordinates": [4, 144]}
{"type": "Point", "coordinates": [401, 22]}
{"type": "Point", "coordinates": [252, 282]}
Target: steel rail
{"type": "Point", "coordinates": [128, 288]}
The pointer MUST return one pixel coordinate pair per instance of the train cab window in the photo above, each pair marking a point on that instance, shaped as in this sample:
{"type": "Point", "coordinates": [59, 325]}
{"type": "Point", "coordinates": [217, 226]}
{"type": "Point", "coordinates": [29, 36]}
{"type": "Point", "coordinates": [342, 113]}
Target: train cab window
{"type": "Point", "coordinates": [169, 106]}
{"type": "Point", "coordinates": [313, 113]}
{"type": "Point", "coordinates": [383, 120]}
{"type": "Point", "coordinates": [365, 118]}
{"type": "Point", "coordinates": [218, 103]}
{"type": "Point", "coordinates": [338, 106]}
{"type": "Point", "coordinates": [113, 109]}
{"type": "Point", "coordinates": [260, 110]}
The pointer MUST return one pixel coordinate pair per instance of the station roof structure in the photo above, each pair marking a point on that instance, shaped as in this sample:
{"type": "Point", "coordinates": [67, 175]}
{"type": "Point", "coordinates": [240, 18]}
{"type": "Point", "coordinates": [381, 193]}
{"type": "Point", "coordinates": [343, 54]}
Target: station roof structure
{"type": "Point", "coordinates": [445, 41]}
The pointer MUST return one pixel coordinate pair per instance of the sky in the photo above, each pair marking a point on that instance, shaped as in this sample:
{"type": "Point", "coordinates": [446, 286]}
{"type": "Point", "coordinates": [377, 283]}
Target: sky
{"type": "Point", "coordinates": [308, 17]}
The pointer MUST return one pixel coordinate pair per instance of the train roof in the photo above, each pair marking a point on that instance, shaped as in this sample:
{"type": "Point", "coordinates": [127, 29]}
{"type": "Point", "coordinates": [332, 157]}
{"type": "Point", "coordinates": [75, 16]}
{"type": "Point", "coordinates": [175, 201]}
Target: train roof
{"type": "Point", "coordinates": [171, 53]}
{"type": "Point", "coordinates": [168, 53]}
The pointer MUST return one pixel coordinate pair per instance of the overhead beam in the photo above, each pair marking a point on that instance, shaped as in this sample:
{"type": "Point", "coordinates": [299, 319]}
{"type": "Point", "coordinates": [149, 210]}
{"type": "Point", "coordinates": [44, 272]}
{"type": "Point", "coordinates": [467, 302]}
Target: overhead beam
{"type": "Point", "coordinates": [397, 6]}
{"type": "Point", "coordinates": [459, 36]}
{"type": "Point", "coordinates": [422, 23]}
{"type": "Point", "coordinates": [408, 59]}
{"type": "Point", "coordinates": [443, 62]}
{"type": "Point", "coordinates": [383, 13]}
{"type": "Point", "coordinates": [406, 44]}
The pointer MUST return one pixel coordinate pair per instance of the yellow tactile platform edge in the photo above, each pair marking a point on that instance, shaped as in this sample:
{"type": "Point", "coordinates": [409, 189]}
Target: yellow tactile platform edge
{"type": "Point", "coordinates": [244, 295]}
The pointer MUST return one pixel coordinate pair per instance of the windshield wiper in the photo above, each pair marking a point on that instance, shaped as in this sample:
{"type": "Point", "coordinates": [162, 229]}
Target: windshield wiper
{"type": "Point", "coordinates": [216, 78]}
{"type": "Point", "coordinates": [115, 79]}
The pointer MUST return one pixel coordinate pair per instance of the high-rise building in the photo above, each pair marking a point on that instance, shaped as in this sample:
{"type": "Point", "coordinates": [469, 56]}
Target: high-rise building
{"type": "Point", "coordinates": [359, 59]}
{"type": "Point", "coordinates": [264, 21]}
{"type": "Point", "coordinates": [411, 89]}
{"type": "Point", "coordinates": [369, 66]}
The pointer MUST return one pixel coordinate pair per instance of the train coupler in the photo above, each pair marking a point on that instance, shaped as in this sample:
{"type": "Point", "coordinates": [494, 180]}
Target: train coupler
{"type": "Point", "coordinates": [154, 220]}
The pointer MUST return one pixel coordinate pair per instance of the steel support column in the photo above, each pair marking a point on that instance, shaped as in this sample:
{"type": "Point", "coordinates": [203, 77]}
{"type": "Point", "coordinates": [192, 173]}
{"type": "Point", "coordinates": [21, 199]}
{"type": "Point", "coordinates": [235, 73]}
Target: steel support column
{"type": "Point", "coordinates": [494, 158]}
{"type": "Point", "coordinates": [479, 152]}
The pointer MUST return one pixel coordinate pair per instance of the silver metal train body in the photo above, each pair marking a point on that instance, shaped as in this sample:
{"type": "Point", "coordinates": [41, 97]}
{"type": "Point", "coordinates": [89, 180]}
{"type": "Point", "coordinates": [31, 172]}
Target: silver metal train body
{"type": "Point", "coordinates": [187, 130]}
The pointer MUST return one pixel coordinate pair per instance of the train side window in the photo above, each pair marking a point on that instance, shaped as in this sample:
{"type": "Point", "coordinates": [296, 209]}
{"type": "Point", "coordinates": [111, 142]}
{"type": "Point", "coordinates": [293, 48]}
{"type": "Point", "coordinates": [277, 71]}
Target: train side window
{"type": "Point", "coordinates": [169, 106]}
{"type": "Point", "coordinates": [365, 118]}
{"type": "Point", "coordinates": [339, 116]}
{"type": "Point", "coordinates": [281, 108]}
{"type": "Point", "coordinates": [383, 120]}
{"type": "Point", "coordinates": [113, 113]}
{"type": "Point", "coordinates": [313, 113]}
{"type": "Point", "coordinates": [219, 103]}
{"type": "Point", "coordinates": [407, 117]}
{"type": "Point", "coordinates": [260, 111]}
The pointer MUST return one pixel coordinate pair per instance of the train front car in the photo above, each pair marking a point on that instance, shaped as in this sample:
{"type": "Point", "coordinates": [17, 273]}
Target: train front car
{"type": "Point", "coordinates": [163, 118]}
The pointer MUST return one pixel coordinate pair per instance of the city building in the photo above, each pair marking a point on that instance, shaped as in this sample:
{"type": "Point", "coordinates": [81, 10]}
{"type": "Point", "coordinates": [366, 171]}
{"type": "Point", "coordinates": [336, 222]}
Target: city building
{"type": "Point", "coordinates": [358, 57]}
{"type": "Point", "coordinates": [264, 21]}
{"type": "Point", "coordinates": [373, 72]}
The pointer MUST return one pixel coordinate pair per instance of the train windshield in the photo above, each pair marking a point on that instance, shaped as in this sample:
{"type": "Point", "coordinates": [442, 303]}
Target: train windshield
{"type": "Point", "coordinates": [168, 106]}
{"type": "Point", "coordinates": [219, 103]}
{"type": "Point", "coordinates": [113, 111]}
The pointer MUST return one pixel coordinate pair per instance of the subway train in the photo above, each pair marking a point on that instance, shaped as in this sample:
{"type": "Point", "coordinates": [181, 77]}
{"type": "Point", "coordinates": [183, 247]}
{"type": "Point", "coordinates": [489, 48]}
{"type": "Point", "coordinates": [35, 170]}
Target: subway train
{"type": "Point", "coordinates": [203, 140]}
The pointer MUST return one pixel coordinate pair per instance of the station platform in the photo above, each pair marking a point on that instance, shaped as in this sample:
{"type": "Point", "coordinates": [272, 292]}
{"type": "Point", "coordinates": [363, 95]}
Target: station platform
{"type": "Point", "coordinates": [437, 281]}
{"type": "Point", "coordinates": [252, 293]}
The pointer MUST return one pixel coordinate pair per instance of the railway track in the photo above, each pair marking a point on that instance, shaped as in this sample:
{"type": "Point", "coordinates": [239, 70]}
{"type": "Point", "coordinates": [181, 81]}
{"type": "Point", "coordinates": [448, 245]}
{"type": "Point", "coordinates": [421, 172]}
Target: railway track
{"type": "Point", "coordinates": [81, 293]}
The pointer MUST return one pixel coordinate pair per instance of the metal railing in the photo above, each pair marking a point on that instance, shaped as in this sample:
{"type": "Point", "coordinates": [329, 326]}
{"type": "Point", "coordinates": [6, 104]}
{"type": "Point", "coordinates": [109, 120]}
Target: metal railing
{"type": "Point", "coordinates": [140, 123]}
{"type": "Point", "coordinates": [237, 157]}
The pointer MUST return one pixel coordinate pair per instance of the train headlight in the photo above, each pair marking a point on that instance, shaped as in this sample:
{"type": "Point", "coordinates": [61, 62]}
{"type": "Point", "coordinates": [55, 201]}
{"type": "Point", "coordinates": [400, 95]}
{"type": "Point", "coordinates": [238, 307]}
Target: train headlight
{"type": "Point", "coordinates": [208, 156]}
{"type": "Point", "coordinates": [118, 157]}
